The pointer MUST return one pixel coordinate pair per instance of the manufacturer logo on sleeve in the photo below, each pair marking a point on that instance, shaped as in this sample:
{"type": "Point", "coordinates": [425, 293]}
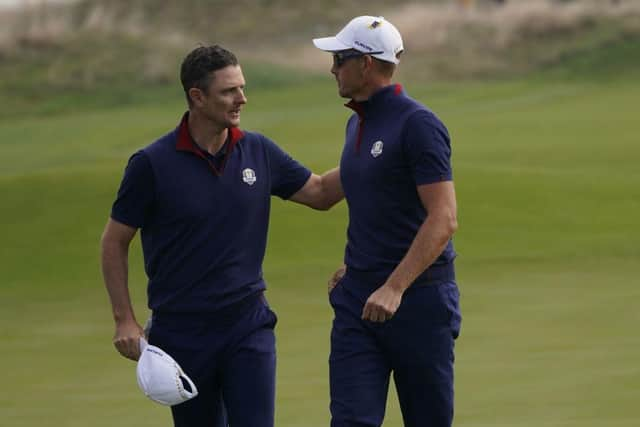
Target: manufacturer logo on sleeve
{"type": "Point", "coordinates": [376, 150]}
{"type": "Point", "coordinates": [249, 176]}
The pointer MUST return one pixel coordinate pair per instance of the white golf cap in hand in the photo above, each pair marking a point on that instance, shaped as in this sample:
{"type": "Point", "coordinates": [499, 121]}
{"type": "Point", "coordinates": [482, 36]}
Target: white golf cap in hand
{"type": "Point", "coordinates": [161, 378]}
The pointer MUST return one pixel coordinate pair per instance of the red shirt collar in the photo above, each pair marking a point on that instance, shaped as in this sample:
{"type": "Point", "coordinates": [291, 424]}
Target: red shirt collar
{"type": "Point", "coordinates": [186, 143]}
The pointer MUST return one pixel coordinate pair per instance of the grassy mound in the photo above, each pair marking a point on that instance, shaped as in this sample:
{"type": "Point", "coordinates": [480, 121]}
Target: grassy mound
{"type": "Point", "coordinates": [94, 53]}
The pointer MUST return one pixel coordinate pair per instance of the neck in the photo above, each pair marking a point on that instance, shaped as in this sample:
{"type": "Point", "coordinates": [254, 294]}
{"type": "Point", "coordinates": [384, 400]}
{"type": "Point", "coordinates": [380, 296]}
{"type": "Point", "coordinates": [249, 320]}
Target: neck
{"type": "Point", "coordinates": [205, 133]}
{"type": "Point", "coordinates": [370, 88]}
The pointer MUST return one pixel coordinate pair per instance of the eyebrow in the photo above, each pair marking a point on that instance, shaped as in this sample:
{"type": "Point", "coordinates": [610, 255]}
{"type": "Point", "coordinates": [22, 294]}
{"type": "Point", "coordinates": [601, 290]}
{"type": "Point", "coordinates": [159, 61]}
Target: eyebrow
{"type": "Point", "coordinates": [227, 88]}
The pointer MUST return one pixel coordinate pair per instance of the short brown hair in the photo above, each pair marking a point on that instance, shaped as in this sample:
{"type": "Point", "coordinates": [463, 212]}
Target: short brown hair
{"type": "Point", "coordinates": [198, 65]}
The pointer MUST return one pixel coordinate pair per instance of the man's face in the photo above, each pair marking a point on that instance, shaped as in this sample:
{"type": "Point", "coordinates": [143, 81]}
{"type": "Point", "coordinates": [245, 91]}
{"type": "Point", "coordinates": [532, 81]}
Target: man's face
{"type": "Point", "coordinates": [348, 71]}
{"type": "Point", "coordinates": [224, 99]}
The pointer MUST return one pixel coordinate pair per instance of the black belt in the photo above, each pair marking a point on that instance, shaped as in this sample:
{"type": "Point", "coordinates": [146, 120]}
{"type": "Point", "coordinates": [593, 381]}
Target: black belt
{"type": "Point", "coordinates": [436, 273]}
{"type": "Point", "coordinates": [234, 309]}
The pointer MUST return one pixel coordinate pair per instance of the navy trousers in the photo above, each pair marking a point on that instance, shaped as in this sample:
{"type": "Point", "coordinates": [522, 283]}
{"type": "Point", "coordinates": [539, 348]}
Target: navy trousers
{"type": "Point", "coordinates": [416, 345]}
{"type": "Point", "coordinates": [231, 358]}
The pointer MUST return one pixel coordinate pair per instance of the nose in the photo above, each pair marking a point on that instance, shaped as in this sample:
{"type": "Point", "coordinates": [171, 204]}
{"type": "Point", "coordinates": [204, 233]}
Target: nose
{"type": "Point", "coordinates": [242, 99]}
{"type": "Point", "coordinates": [334, 69]}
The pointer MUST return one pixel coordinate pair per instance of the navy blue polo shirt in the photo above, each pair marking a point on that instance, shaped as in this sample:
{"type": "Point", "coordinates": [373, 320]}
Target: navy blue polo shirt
{"type": "Point", "coordinates": [393, 144]}
{"type": "Point", "coordinates": [204, 218]}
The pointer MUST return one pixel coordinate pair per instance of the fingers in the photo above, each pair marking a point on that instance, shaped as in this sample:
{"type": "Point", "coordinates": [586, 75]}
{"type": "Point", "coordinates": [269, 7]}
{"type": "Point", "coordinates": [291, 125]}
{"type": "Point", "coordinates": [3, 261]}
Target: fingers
{"type": "Point", "coordinates": [381, 305]}
{"type": "Point", "coordinates": [135, 351]}
{"type": "Point", "coordinates": [376, 313]}
{"type": "Point", "coordinates": [129, 347]}
{"type": "Point", "coordinates": [337, 276]}
{"type": "Point", "coordinates": [331, 284]}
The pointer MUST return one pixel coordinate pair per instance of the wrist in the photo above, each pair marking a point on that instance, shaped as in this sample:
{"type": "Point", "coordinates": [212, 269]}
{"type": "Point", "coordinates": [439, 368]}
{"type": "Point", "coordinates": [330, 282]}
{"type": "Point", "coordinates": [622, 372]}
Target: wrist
{"type": "Point", "coordinates": [123, 317]}
{"type": "Point", "coordinates": [396, 285]}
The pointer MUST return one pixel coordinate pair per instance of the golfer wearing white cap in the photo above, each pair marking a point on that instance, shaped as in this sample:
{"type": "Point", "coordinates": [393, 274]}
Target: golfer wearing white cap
{"type": "Point", "coordinates": [396, 305]}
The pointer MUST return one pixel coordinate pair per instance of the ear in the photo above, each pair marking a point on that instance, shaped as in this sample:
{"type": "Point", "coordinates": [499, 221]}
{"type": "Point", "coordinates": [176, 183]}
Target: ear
{"type": "Point", "coordinates": [367, 64]}
{"type": "Point", "coordinates": [196, 96]}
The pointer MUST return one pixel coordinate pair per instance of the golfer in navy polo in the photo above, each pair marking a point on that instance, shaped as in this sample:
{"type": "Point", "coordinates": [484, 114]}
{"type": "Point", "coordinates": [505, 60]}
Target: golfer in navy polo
{"type": "Point", "coordinates": [201, 195]}
{"type": "Point", "coordinates": [396, 306]}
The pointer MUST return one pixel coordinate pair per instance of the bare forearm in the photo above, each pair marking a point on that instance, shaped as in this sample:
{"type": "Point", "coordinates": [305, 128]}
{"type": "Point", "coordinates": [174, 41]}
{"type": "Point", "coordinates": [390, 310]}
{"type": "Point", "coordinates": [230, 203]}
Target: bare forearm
{"type": "Point", "coordinates": [438, 199]}
{"type": "Point", "coordinates": [321, 192]}
{"type": "Point", "coordinates": [115, 252]}
{"type": "Point", "coordinates": [115, 273]}
{"type": "Point", "coordinates": [430, 241]}
{"type": "Point", "coordinates": [332, 187]}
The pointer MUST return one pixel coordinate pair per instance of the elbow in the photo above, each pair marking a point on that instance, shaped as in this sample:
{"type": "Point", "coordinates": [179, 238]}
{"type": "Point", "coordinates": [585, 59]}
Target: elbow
{"type": "Point", "coordinates": [323, 205]}
{"type": "Point", "coordinates": [112, 243]}
{"type": "Point", "coordinates": [107, 247]}
{"type": "Point", "coordinates": [452, 225]}
{"type": "Point", "coordinates": [104, 240]}
{"type": "Point", "coordinates": [447, 223]}
{"type": "Point", "coordinates": [108, 239]}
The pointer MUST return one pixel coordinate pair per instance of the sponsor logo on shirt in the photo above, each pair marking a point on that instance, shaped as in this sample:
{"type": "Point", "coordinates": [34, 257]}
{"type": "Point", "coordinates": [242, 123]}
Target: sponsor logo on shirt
{"type": "Point", "coordinates": [376, 150]}
{"type": "Point", "coordinates": [249, 176]}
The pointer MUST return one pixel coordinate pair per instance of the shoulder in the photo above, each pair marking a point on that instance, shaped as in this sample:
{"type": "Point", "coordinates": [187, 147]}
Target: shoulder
{"type": "Point", "coordinates": [251, 137]}
{"type": "Point", "coordinates": [162, 144]}
{"type": "Point", "coordinates": [139, 164]}
{"type": "Point", "coordinates": [257, 142]}
{"type": "Point", "coordinates": [423, 129]}
{"type": "Point", "coordinates": [254, 144]}
{"type": "Point", "coordinates": [423, 117]}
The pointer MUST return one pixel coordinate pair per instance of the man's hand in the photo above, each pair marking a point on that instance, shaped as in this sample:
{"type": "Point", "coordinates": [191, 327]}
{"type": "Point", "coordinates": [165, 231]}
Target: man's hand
{"type": "Point", "coordinates": [382, 304]}
{"type": "Point", "coordinates": [337, 276]}
{"type": "Point", "coordinates": [127, 339]}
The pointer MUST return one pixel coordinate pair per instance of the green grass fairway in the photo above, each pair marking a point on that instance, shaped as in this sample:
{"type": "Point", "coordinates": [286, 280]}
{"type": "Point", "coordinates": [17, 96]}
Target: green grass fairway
{"type": "Point", "coordinates": [548, 188]}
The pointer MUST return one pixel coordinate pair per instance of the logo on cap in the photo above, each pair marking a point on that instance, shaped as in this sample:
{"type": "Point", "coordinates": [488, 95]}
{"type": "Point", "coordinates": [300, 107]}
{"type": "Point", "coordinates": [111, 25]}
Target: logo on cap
{"type": "Point", "coordinates": [249, 176]}
{"type": "Point", "coordinates": [376, 150]}
{"type": "Point", "coordinates": [362, 45]}
{"type": "Point", "coordinates": [375, 24]}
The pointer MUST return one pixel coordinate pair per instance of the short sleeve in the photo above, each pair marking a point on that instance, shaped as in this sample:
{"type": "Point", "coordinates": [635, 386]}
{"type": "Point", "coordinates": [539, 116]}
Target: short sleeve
{"type": "Point", "coordinates": [136, 194]}
{"type": "Point", "coordinates": [287, 175]}
{"type": "Point", "coordinates": [428, 148]}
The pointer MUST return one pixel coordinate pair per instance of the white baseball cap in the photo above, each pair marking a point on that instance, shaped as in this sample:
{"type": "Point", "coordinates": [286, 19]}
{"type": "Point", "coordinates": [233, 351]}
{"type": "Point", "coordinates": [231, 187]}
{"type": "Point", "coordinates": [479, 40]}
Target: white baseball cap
{"type": "Point", "coordinates": [368, 34]}
{"type": "Point", "coordinates": [161, 378]}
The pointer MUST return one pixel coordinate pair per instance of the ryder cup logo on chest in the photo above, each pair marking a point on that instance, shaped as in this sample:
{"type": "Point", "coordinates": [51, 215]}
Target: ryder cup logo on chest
{"type": "Point", "coordinates": [376, 150]}
{"type": "Point", "coordinates": [249, 176]}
